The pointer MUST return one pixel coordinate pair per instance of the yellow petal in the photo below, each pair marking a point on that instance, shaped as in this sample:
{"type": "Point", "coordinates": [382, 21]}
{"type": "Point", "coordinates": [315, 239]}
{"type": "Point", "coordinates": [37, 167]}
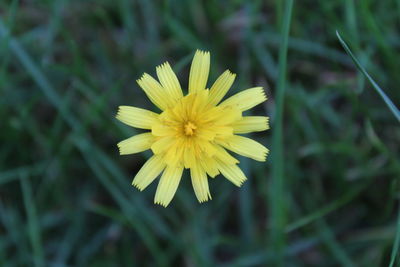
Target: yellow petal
{"type": "Point", "coordinates": [136, 144]}
{"type": "Point", "coordinates": [250, 124]}
{"type": "Point", "coordinates": [245, 146]}
{"type": "Point", "coordinates": [189, 158]}
{"type": "Point", "coordinates": [211, 114]}
{"type": "Point", "coordinates": [206, 147]}
{"type": "Point", "coordinates": [221, 87]}
{"type": "Point", "coordinates": [246, 99]}
{"type": "Point", "coordinates": [162, 145]}
{"type": "Point", "coordinates": [169, 81]}
{"type": "Point", "coordinates": [158, 128]}
{"type": "Point", "coordinates": [173, 157]}
{"type": "Point", "coordinates": [209, 165]}
{"type": "Point", "coordinates": [223, 131]}
{"type": "Point", "coordinates": [228, 115]}
{"type": "Point", "coordinates": [205, 133]}
{"type": "Point", "coordinates": [155, 92]}
{"type": "Point", "coordinates": [199, 71]}
{"type": "Point", "coordinates": [222, 155]}
{"type": "Point", "coordinates": [168, 185]}
{"type": "Point", "coordinates": [200, 183]}
{"type": "Point", "coordinates": [137, 117]}
{"type": "Point", "coordinates": [150, 170]}
{"type": "Point", "coordinates": [199, 103]}
{"type": "Point", "coordinates": [232, 172]}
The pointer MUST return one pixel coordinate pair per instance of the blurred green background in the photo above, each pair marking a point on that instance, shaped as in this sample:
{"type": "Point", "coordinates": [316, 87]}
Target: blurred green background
{"type": "Point", "coordinates": [65, 194]}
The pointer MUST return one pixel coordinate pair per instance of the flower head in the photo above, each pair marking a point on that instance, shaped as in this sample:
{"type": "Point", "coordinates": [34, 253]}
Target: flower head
{"type": "Point", "coordinates": [193, 131]}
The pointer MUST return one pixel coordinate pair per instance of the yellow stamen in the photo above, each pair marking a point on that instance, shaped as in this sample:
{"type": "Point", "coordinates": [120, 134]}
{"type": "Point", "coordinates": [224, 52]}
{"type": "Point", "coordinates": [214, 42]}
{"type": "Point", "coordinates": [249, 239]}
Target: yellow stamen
{"type": "Point", "coordinates": [189, 128]}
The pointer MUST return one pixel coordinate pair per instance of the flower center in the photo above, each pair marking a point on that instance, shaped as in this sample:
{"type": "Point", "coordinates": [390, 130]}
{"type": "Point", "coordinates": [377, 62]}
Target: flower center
{"type": "Point", "coordinates": [189, 128]}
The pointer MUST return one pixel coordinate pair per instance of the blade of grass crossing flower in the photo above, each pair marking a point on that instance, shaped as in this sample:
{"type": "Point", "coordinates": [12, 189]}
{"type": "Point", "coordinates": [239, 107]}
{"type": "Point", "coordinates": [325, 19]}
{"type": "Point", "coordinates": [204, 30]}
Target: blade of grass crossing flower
{"type": "Point", "coordinates": [277, 201]}
{"type": "Point", "coordinates": [396, 245]}
{"type": "Point", "coordinates": [385, 98]}
{"type": "Point", "coordinates": [33, 225]}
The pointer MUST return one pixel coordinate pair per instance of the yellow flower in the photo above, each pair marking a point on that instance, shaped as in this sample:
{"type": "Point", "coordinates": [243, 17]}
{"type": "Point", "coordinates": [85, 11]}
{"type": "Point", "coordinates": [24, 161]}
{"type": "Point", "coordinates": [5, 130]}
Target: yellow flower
{"type": "Point", "coordinates": [192, 131]}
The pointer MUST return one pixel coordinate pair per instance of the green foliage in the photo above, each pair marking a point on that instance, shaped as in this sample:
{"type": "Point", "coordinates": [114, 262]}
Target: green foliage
{"type": "Point", "coordinates": [331, 199]}
{"type": "Point", "coordinates": [385, 98]}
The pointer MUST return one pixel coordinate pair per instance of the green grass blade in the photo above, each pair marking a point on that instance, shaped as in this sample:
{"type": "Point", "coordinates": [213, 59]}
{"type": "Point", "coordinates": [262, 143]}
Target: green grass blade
{"type": "Point", "coordinates": [346, 198]}
{"type": "Point", "coordinates": [396, 245]}
{"type": "Point", "coordinates": [11, 222]}
{"type": "Point", "coordinates": [13, 174]}
{"type": "Point", "coordinates": [385, 98]}
{"type": "Point", "coordinates": [246, 206]}
{"type": "Point", "coordinates": [36, 74]}
{"type": "Point", "coordinates": [395, 112]}
{"type": "Point", "coordinates": [33, 225]}
{"type": "Point", "coordinates": [329, 238]}
{"type": "Point", "coordinates": [277, 200]}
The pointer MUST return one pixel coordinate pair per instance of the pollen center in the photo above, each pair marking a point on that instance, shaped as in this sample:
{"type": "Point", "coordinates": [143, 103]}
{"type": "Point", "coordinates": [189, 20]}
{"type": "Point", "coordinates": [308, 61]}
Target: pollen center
{"type": "Point", "coordinates": [189, 128]}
